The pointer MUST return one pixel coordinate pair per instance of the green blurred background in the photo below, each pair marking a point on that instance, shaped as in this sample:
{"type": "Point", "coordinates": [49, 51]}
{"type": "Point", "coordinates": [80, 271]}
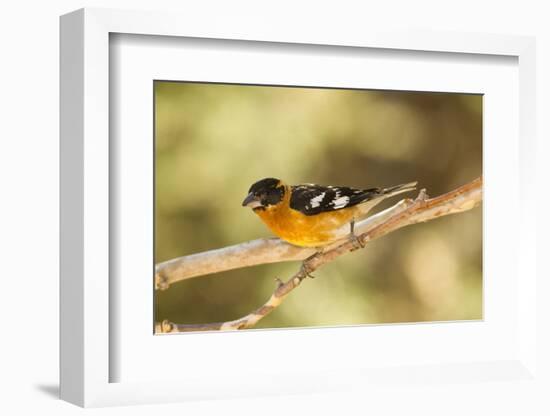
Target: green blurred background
{"type": "Point", "coordinates": [214, 140]}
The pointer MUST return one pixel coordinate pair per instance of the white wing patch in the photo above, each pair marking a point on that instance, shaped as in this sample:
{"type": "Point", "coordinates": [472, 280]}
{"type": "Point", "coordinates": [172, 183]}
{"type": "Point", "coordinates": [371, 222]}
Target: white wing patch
{"type": "Point", "coordinates": [315, 199]}
{"type": "Point", "coordinates": [315, 202]}
{"type": "Point", "coordinates": [340, 202]}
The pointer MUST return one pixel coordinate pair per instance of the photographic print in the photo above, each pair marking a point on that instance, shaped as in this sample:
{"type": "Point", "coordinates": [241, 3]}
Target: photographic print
{"type": "Point", "coordinates": [295, 207]}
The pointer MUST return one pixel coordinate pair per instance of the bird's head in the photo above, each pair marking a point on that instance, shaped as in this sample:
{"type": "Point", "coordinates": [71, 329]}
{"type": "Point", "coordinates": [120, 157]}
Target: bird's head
{"type": "Point", "coordinates": [266, 192]}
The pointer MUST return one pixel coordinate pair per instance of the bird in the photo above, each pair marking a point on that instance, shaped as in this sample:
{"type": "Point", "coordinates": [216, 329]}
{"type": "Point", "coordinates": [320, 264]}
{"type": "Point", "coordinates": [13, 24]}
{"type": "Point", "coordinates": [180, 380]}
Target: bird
{"type": "Point", "coordinates": [310, 215]}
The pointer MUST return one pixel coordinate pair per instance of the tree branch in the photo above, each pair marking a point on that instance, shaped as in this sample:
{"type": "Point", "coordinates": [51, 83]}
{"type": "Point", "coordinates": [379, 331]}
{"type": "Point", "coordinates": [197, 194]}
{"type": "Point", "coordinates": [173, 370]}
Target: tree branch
{"type": "Point", "coordinates": [253, 253]}
{"type": "Point", "coordinates": [406, 212]}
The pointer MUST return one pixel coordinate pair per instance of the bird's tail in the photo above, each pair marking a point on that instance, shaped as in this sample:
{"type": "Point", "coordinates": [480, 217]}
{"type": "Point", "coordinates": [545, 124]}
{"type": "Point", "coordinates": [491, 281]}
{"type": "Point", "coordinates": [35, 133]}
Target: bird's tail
{"type": "Point", "coordinates": [398, 189]}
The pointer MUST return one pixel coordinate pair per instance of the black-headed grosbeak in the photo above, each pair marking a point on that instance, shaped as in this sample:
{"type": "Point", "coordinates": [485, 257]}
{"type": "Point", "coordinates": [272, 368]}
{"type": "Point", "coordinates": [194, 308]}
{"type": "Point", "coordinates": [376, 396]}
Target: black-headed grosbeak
{"type": "Point", "coordinates": [311, 215]}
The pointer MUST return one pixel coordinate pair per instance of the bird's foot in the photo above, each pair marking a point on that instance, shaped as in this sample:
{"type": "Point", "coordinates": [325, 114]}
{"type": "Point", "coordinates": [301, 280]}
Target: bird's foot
{"type": "Point", "coordinates": [306, 270]}
{"type": "Point", "coordinates": [357, 243]}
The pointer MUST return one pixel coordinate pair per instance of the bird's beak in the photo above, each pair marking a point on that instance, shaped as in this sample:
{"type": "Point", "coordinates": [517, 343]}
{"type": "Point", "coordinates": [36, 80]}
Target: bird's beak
{"type": "Point", "coordinates": [251, 201]}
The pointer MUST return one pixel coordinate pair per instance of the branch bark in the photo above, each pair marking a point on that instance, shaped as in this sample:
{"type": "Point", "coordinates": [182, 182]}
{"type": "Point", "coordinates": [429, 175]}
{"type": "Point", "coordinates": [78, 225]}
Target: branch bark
{"type": "Point", "coordinates": [406, 212]}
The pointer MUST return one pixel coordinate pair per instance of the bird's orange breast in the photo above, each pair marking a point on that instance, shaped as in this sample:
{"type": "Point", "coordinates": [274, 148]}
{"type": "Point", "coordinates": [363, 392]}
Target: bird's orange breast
{"type": "Point", "coordinates": [304, 230]}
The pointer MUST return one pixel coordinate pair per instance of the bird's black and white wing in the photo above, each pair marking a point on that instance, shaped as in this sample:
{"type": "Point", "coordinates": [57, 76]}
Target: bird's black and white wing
{"type": "Point", "coordinates": [312, 199]}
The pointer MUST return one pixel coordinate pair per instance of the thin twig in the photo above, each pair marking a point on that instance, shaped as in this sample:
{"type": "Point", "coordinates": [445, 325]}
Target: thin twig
{"type": "Point", "coordinates": [411, 212]}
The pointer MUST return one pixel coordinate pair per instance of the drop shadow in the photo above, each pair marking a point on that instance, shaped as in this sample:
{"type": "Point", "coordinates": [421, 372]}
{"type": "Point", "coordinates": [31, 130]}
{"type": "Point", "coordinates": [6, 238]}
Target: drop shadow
{"type": "Point", "coordinates": [51, 390]}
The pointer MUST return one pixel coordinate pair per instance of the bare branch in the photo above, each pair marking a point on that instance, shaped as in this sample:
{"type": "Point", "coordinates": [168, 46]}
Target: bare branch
{"type": "Point", "coordinates": [405, 213]}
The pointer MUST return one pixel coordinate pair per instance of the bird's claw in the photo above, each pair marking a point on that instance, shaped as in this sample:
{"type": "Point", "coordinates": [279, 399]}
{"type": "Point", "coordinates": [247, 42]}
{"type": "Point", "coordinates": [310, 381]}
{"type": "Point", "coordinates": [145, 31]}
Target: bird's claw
{"type": "Point", "coordinates": [305, 270]}
{"type": "Point", "coordinates": [353, 237]}
{"type": "Point", "coordinates": [356, 241]}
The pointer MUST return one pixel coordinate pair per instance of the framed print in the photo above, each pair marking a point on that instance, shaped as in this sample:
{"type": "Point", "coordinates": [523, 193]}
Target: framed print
{"type": "Point", "coordinates": [178, 140]}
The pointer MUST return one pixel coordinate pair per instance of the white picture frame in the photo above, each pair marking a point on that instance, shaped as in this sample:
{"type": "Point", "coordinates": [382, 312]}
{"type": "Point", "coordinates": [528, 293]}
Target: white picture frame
{"type": "Point", "coordinates": [87, 356]}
